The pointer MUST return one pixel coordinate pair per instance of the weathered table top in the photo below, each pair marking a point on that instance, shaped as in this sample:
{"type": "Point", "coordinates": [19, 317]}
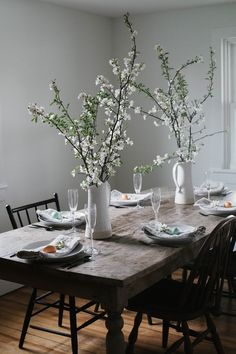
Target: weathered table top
{"type": "Point", "coordinates": [124, 266]}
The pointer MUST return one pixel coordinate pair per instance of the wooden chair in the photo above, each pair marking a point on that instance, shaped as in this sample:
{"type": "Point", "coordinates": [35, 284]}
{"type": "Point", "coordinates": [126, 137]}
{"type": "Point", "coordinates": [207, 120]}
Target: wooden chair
{"type": "Point", "coordinates": [24, 215]}
{"type": "Point", "coordinates": [180, 302]}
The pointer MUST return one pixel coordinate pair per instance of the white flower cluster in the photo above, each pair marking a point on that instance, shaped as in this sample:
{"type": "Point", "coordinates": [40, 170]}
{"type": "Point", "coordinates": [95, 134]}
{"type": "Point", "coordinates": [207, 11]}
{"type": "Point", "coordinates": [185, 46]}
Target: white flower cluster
{"type": "Point", "coordinates": [173, 108]}
{"type": "Point", "coordinates": [99, 152]}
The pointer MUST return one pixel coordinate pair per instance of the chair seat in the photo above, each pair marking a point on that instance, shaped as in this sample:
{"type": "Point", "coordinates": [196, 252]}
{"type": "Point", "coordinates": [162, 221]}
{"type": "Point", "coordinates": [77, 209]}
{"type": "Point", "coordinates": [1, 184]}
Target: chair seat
{"type": "Point", "coordinates": [164, 300]}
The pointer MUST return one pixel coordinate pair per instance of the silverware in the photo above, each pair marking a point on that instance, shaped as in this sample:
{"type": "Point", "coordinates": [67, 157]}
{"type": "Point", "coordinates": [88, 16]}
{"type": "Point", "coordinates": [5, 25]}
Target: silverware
{"type": "Point", "coordinates": [48, 228]}
{"type": "Point", "coordinates": [75, 263]}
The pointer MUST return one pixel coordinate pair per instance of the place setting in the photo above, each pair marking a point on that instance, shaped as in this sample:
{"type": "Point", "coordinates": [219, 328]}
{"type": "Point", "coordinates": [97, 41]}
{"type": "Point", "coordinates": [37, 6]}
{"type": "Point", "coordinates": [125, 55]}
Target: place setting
{"type": "Point", "coordinates": [123, 200]}
{"type": "Point", "coordinates": [171, 234]}
{"type": "Point", "coordinates": [211, 187]}
{"type": "Point", "coordinates": [70, 248]}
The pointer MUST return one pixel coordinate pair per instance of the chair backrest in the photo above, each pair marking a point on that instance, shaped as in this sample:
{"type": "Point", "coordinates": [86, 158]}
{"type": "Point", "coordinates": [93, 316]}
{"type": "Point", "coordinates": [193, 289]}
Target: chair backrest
{"type": "Point", "coordinates": [23, 215]}
{"type": "Point", "coordinates": [205, 282]}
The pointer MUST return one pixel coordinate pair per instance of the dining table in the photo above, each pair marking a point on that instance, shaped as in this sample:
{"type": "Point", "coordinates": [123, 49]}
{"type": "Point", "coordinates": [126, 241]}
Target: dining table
{"type": "Point", "coordinates": [125, 266]}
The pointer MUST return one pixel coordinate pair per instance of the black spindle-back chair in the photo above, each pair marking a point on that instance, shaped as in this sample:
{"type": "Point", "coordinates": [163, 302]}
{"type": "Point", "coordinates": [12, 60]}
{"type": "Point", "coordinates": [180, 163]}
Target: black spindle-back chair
{"type": "Point", "coordinates": [22, 216]}
{"type": "Point", "coordinates": [172, 300]}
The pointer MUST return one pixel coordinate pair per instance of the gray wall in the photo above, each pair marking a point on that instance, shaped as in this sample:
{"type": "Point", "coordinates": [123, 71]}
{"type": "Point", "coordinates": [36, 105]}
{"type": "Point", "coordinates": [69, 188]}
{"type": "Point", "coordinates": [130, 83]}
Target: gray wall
{"type": "Point", "coordinates": [184, 34]}
{"type": "Point", "coordinates": [40, 42]}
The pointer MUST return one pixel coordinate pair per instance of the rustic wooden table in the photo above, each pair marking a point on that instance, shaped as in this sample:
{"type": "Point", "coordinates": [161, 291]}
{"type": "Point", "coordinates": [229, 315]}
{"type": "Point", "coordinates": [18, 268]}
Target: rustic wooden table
{"type": "Point", "coordinates": [124, 267]}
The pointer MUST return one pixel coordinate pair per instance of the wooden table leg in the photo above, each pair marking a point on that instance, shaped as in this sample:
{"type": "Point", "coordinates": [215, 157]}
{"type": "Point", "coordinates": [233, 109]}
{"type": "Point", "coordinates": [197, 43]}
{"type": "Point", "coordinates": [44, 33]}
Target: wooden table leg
{"type": "Point", "coordinates": [115, 343]}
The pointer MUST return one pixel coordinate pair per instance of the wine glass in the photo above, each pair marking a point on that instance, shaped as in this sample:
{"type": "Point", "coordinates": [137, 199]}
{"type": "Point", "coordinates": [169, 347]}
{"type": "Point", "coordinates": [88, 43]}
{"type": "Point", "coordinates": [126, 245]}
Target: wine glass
{"type": "Point", "coordinates": [156, 201]}
{"type": "Point", "coordinates": [91, 219]}
{"type": "Point", "coordinates": [137, 182]}
{"type": "Point", "coordinates": [73, 198]}
{"type": "Point", "coordinates": [208, 183]}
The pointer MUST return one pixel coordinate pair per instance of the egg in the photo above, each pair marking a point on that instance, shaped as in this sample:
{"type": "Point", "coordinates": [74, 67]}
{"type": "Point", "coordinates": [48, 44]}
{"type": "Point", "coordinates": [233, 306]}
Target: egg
{"type": "Point", "coordinates": [228, 205]}
{"type": "Point", "coordinates": [49, 249]}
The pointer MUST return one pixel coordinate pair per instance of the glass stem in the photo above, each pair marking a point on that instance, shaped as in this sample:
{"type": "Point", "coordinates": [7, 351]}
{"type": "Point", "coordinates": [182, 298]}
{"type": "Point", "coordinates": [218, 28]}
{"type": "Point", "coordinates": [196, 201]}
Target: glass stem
{"type": "Point", "coordinates": [73, 215]}
{"type": "Point", "coordinates": [91, 239]}
{"type": "Point", "coordinates": [208, 194]}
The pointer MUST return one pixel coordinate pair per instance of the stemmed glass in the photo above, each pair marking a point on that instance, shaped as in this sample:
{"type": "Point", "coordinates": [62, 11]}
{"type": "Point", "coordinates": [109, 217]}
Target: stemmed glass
{"type": "Point", "coordinates": [208, 184]}
{"type": "Point", "coordinates": [137, 182]}
{"type": "Point", "coordinates": [156, 202]}
{"type": "Point", "coordinates": [90, 217]}
{"type": "Point", "coordinates": [73, 198]}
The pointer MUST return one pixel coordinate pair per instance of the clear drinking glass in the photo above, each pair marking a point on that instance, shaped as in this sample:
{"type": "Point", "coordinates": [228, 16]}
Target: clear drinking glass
{"type": "Point", "coordinates": [156, 201]}
{"type": "Point", "coordinates": [73, 198]}
{"type": "Point", "coordinates": [137, 182]}
{"type": "Point", "coordinates": [208, 183]}
{"type": "Point", "coordinates": [91, 220]}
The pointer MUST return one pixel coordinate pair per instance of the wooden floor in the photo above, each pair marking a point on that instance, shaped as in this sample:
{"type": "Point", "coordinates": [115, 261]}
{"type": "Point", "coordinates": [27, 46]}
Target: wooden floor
{"type": "Point", "coordinates": [92, 338]}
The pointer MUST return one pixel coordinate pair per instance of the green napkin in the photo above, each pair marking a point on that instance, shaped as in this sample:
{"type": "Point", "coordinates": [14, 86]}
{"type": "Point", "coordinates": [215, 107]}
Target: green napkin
{"type": "Point", "coordinates": [172, 231]}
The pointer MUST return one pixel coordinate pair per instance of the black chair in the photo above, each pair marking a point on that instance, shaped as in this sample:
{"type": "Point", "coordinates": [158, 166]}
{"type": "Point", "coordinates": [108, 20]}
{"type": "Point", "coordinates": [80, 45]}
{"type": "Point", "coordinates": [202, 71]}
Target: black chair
{"type": "Point", "coordinates": [179, 302]}
{"type": "Point", "coordinates": [24, 215]}
{"type": "Point", "coordinates": [230, 277]}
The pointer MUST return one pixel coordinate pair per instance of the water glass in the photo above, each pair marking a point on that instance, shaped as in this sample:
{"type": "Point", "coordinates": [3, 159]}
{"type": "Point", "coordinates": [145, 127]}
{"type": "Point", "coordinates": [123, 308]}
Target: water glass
{"type": "Point", "coordinates": [156, 201]}
{"type": "Point", "coordinates": [137, 182]}
{"type": "Point", "coordinates": [73, 198]}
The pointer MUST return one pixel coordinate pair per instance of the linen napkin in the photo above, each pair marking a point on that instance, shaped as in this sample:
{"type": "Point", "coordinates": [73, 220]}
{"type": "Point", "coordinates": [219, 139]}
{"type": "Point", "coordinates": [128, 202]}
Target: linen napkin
{"type": "Point", "coordinates": [59, 217]}
{"type": "Point", "coordinates": [64, 245]}
{"type": "Point", "coordinates": [169, 236]}
{"type": "Point", "coordinates": [217, 188]}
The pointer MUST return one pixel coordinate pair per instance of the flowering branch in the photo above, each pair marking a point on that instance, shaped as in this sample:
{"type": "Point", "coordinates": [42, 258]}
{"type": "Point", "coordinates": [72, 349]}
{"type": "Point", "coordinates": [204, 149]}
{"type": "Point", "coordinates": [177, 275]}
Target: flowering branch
{"type": "Point", "coordinates": [173, 108]}
{"type": "Point", "coordinates": [98, 151]}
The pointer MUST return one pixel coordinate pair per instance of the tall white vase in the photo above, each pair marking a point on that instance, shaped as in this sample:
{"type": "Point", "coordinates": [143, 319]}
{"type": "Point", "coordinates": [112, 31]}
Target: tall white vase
{"type": "Point", "coordinates": [182, 175]}
{"type": "Point", "coordinates": [101, 197]}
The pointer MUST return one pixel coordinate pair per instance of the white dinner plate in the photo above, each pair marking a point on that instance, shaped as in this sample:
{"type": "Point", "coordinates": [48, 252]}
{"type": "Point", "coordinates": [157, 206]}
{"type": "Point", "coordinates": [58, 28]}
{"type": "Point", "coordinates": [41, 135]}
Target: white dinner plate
{"type": "Point", "coordinates": [219, 210]}
{"type": "Point", "coordinates": [131, 201]}
{"type": "Point", "coordinates": [78, 251]}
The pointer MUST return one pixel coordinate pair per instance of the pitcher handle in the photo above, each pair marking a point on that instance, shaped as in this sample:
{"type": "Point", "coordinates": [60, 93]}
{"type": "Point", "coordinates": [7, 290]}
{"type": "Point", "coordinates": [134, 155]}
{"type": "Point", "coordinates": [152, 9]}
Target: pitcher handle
{"type": "Point", "coordinates": [175, 173]}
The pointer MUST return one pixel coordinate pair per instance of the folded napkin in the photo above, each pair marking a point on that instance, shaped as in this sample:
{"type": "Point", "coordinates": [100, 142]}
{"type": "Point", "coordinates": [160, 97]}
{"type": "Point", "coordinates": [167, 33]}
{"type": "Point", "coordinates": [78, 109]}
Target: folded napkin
{"type": "Point", "coordinates": [173, 236]}
{"type": "Point", "coordinates": [216, 188]}
{"type": "Point", "coordinates": [59, 217]}
{"type": "Point", "coordinates": [206, 203]}
{"type": "Point", "coordinates": [64, 245]}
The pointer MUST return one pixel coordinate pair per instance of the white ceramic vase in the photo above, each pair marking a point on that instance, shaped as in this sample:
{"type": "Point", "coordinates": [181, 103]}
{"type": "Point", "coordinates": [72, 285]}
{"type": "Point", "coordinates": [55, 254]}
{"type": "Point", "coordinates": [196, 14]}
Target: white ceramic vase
{"type": "Point", "coordinates": [182, 175]}
{"type": "Point", "coordinates": [101, 197]}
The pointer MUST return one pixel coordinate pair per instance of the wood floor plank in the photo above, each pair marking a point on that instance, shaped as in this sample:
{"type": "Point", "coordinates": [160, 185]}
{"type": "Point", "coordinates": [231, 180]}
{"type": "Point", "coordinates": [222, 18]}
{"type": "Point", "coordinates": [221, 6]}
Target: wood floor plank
{"type": "Point", "coordinates": [92, 339]}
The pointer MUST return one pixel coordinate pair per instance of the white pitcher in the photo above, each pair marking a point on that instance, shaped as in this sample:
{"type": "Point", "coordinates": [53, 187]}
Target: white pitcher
{"type": "Point", "coordinates": [182, 175]}
{"type": "Point", "coordinates": [101, 197]}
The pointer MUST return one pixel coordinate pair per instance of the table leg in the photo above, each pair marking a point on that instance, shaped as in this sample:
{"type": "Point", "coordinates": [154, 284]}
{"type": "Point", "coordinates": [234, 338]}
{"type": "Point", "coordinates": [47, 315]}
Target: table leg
{"type": "Point", "coordinates": [115, 343]}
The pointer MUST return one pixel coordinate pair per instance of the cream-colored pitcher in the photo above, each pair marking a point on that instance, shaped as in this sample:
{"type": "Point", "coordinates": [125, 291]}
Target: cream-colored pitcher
{"type": "Point", "coordinates": [182, 175]}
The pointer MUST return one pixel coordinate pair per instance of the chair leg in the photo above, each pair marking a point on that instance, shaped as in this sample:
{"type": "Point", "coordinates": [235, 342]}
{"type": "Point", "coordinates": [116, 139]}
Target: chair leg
{"type": "Point", "coordinates": [233, 284]}
{"type": "Point", "coordinates": [134, 333]}
{"type": "Point", "coordinates": [73, 325]}
{"type": "Point", "coordinates": [215, 337]}
{"type": "Point", "coordinates": [184, 275]}
{"type": "Point", "coordinates": [165, 333]}
{"type": "Point", "coordinates": [28, 314]}
{"type": "Point", "coordinates": [188, 348]}
{"type": "Point", "coordinates": [149, 318]}
{"type": "Point", "coordinates": [61, 309]}
{"type": "Point", "coordinates": [96, 309]}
